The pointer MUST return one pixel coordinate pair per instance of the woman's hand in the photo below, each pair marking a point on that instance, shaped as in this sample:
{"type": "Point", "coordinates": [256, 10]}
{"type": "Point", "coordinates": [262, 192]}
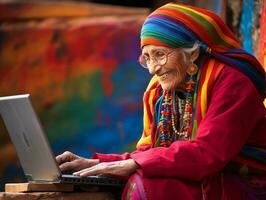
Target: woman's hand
{"type": "Point", "coordinates": [68, 161]}
{"type": "Point", "coordinates": [117, 168]}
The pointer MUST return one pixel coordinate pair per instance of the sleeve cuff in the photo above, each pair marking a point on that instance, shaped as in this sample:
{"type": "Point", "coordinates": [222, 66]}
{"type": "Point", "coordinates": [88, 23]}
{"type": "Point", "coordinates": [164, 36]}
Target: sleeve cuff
{"type": "Point", "coordinates": [110, 157]}
{"type": "Point", "coordinates": [143, 160]}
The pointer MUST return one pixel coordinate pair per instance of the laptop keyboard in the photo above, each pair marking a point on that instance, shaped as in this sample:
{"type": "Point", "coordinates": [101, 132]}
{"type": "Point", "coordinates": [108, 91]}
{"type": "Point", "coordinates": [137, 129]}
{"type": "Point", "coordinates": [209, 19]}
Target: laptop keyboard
{"type": "Point", "coordinates": [92, 180]}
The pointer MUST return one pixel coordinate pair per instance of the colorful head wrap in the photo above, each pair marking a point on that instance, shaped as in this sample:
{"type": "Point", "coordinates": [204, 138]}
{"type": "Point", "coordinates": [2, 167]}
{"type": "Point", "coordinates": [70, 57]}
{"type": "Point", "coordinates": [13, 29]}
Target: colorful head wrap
{"type": "Point", "coordinates": [175, 25]}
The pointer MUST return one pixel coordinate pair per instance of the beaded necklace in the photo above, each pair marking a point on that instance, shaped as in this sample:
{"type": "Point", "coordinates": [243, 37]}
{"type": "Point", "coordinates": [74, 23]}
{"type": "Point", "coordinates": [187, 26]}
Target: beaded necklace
{"type": "Point", "coordinates": [176, 121]}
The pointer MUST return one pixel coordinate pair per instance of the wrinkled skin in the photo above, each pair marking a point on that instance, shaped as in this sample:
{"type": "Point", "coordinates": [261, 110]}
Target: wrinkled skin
{"type": "Point", "coordinates": [90, 167]}
{"type": "Point", "coordinates": [173, 73]}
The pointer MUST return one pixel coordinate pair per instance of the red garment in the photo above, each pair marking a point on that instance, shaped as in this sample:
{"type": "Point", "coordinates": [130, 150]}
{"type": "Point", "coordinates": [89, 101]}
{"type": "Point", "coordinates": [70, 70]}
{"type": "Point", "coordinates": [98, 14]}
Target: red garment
{"type": "Point", "coordinates": [235, 116]}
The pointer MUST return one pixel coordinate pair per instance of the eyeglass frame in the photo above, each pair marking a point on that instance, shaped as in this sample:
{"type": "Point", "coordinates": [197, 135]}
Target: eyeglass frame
{"type": "Point", "coordinates": [165, 57]}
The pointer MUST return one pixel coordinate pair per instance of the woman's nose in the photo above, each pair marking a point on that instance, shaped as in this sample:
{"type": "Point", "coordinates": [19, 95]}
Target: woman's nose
{"type": "Point", "coordinates": [153, 67]}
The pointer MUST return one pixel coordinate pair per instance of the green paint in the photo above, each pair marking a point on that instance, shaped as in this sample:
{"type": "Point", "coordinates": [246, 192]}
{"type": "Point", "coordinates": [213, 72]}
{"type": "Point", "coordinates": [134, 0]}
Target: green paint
{"type": "Point", "coordinates": [77, 112]}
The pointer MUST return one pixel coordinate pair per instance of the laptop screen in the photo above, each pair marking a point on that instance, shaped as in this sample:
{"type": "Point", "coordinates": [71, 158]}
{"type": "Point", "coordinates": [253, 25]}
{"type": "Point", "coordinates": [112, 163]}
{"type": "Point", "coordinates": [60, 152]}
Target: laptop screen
{"type": "Point", "coordinates": [28, 137]}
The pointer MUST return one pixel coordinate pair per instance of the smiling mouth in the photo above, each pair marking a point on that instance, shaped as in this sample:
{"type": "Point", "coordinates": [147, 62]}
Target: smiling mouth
{"type": "Point", "coordinates": [164, 75]}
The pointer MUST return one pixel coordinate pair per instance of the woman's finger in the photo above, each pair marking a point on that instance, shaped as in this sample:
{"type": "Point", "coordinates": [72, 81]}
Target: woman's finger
{"type": "Point", "coordinates": [84, 170]}
{"type": "Point", "coordinates": [64, 157]}
{"type": "Point", "coordinates": [59, 159]}
{"type": "Point", "coordinates": [73, 165]}
{"type": "Point", "coordinates": [65, 166]}
{"type": "Point", "coordinates": [108, 169]}
{"type": "Point", "coordinates": [89, 173]}
{"type": "Point", "coordinates": [92, 171]}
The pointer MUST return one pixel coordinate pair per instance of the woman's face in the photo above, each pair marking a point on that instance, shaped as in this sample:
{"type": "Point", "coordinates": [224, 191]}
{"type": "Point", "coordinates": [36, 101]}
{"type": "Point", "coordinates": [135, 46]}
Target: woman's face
{"type": "Point", "coordinates": [169, 64]}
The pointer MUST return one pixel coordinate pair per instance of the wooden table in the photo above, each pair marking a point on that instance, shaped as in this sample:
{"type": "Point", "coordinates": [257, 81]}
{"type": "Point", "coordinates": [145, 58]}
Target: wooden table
{"type": "Point", "coordinates": [37, 191]}
{"type": "Point", "coordinates": [58, 195]}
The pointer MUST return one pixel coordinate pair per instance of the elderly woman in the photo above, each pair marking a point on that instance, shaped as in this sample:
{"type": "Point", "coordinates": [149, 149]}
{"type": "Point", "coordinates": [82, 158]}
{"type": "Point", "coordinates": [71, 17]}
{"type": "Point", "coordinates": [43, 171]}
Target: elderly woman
{"type": "Point", "coordinates": [204, 120]}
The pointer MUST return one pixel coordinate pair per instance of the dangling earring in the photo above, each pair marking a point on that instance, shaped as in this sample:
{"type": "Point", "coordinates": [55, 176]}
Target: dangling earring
{"type": "Point", "coordinates": [192, 69]}
{"type": "Point", "coordinates": [186, 131]}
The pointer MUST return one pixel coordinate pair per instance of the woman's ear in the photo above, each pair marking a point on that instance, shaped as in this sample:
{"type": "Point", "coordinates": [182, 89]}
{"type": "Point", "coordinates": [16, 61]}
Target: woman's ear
{"type": "Point", "coordinates": [195, 52]}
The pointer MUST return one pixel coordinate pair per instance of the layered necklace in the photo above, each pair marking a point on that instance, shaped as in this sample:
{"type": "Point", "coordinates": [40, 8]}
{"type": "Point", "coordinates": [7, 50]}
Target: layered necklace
{"type": "Point", "coordinates": [176, 115]}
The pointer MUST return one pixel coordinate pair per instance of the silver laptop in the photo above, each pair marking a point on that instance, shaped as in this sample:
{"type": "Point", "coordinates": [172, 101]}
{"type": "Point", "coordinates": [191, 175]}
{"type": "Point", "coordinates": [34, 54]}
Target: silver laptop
{"type": "Point", "coordinates": [33, 148]}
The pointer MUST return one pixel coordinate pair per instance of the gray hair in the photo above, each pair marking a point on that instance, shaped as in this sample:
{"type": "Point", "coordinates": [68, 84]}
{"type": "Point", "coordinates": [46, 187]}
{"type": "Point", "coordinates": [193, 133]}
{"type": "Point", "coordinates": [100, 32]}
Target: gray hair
{"type": "Point", "coordinates": [188, 51]}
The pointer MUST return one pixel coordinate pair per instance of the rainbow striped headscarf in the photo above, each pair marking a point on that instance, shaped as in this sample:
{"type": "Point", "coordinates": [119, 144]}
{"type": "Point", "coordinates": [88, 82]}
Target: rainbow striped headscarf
{"type": "Point", "coordinates": [175, 25]}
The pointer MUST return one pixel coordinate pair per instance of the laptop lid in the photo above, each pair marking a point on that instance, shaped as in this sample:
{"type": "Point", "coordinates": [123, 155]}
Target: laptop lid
{"type": "Point", "coordinates": [27, 135]}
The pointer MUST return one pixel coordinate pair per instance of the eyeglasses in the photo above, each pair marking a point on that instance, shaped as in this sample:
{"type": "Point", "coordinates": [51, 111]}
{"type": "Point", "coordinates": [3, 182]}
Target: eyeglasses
{"type": "Point", "coordinates": [159, 56]}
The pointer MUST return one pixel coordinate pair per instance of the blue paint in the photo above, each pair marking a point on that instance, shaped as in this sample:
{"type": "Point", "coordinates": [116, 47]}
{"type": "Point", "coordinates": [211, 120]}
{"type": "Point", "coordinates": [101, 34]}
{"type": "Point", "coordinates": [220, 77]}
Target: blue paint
{"type": "Point", "coordinates": [11, 173]}
{"type": "Point", "coordinates": [118, 118]}
{"type": "Point", "coordinates": [217, 8]}
{"type": "Point", "coordinates": [121, 116]}
{"type": "Point", "coordinates": [246, 25]}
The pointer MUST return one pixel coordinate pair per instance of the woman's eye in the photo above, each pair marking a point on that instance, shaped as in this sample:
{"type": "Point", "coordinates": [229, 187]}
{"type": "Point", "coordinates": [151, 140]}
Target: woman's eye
{"type": "Point", "coordinates": [147, 58]}
{"type": "Point", "coordinates": [159, 54]}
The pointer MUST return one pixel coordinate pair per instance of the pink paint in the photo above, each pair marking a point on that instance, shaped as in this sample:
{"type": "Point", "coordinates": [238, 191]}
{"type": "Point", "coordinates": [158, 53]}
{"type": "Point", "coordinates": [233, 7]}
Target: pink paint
{"type": "Point", "coordinates": [262, 43]}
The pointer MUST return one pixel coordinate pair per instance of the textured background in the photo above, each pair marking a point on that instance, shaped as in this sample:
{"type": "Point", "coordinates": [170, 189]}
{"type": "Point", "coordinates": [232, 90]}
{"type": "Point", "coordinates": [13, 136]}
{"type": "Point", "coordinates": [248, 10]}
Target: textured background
{"type": "Point", "coordinates": [82, 74]}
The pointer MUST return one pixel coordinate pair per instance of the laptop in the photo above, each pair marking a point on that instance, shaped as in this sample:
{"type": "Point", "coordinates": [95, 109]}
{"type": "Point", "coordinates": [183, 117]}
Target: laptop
{"type": "Point", "coordinates": [32, 146]}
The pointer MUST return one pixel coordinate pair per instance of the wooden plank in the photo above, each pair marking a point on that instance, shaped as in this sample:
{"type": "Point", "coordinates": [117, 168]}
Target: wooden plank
{"type": "Point", "coordinates": [38, 187]}
{"type": "Point", "coordinates": [40, 10]}
{"type": "Point", "coordinates": [58, 195]}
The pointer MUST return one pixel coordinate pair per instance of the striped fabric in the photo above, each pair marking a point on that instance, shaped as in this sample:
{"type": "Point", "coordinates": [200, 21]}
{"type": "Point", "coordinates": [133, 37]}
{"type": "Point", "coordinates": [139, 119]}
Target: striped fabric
{"type": "Point", "coordinates": [175, 25]}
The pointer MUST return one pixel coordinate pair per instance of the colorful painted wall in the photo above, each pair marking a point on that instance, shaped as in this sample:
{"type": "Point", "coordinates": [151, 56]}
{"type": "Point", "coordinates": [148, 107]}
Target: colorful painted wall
{"type": "Point", "coordinates": [262, 38]}
{"type": "Point", "coordinates": [247, 19]}
{"type": "Point", "coordinates": [84, 80]}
